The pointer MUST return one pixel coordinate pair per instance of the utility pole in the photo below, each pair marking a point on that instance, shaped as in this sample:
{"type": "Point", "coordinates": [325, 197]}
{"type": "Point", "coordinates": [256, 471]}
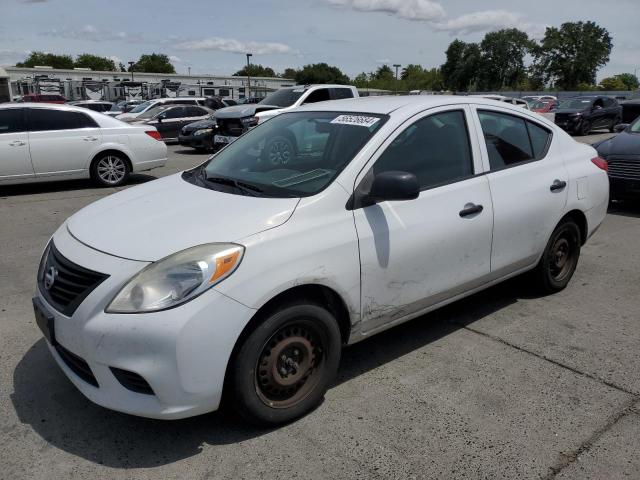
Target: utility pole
{"type": "Point", "coordinates": [397, 65]}
{"type": "Point", "coordinates": [131, 64]}
{"type": "Point", "coordinates": [248, 94]}
{"type": "Point", "coordinates": [189, 70]}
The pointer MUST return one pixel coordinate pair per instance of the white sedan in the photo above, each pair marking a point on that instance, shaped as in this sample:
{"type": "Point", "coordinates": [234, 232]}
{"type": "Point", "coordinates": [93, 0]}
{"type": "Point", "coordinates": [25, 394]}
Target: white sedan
{"type": "Point", "coordinates": [317, 229]}
{"type": "Point", "coordinates": [44, 142]}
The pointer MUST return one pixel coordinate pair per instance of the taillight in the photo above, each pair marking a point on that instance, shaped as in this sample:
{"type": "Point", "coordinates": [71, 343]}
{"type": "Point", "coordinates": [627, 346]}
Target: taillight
{"type": "Point", "coordinates": [601, 163]}
{"type": "Point", "coordinates": [154, 134]}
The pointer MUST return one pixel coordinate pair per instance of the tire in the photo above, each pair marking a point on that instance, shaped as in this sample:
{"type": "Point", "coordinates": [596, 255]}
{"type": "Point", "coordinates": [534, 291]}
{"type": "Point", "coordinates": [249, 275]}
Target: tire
{"type": "Point", "coordinates": [110, 169]}
{"type": "Point", "coordinates": [278, 150]}
{"type": "Point", "coordinates": [560, 258]}
{"type": "Point", "coordinates": [286, 364]}
{"type": "Point", "coordinates": [584, 129]}
{"type": "Point", "coordinates": [614, 122]}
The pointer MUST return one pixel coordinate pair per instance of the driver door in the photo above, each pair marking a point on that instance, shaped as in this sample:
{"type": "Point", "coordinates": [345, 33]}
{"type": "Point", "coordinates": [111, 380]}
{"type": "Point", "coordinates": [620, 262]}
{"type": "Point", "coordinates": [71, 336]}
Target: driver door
{"type": "Point", "coordinates": [418, 253]}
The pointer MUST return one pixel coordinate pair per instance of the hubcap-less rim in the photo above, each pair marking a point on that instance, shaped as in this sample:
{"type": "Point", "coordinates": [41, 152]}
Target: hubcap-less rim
{"type": "Point", "coordinates": [288, 367]}
{"type": "Point", "coordinates": [279, 152]}
{"type": "Point", "coordinates": [561, 258]}
{"type": "Point", "coordinates": [111, 169]}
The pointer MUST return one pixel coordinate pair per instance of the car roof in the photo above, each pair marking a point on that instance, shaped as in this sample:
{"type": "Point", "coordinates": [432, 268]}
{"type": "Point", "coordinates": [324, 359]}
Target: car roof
{"type": "Point", "coordinates": [387, 104]}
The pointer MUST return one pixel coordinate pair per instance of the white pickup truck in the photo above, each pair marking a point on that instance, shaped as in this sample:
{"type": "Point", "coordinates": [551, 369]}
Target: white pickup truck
{"type": "Point", "coordinates": [234, 121]}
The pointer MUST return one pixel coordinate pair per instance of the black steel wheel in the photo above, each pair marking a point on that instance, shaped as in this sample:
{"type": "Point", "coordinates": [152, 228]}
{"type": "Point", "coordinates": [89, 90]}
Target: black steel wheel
{"type": "Point", "coordinates": [286, 364]}
{"type": "Point", "coordinates": [560, 257]}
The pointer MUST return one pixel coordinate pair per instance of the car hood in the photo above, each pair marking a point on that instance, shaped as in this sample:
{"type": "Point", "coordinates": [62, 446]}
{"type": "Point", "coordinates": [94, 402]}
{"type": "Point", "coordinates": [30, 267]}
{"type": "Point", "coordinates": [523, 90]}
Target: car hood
{"type": "Point", "coordinates": [200, 124]}
{"type": "Point", "coordinates": [241, 111]}
{"type": "Point", "coordinates": [158, 218]}
{"type": "Point", "coordinates": [568, 110]}
{"type": "Point", "coordinates": [622, 144]}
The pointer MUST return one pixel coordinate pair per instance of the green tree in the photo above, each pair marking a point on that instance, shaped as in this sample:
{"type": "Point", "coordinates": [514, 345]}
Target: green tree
{"type": "Point", "coordinates": [94, 62]}
{"type": "Point", "coordinates": [502, 59]}
{"type": "Point", "coordinates": [47, 60]}
{"type": "Point", "coordinates": [612, 84]}
{"type": "Point", "coordinates": [255, 70]}
{"type": "Point", "coordinates": [289, 73]}
{"type": "Point", "coordinates": [630, 81]}
{"type": "Point", "coordinates": [416, 77]}
{"type": "Point", "coordinates": [460, 71]}
{"type": "Point", "coordinates": [153, 63]}
{"type": "Point", "coordinates": [572, 54]}
{"type": "Point", "coordinates": [361, 80]}
{"type": "Point", "coordinates": [121, 67]}
{"type": "Point", "coordinates": [320, 73]}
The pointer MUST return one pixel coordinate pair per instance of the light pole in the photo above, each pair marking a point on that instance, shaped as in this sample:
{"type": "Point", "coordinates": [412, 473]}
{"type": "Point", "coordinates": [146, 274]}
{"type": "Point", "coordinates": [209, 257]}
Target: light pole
{"type": "Point", "coordinates": [397, 65]}
{"type": "Point", "coordinates": [189, 70]}
{"type": "Point", "coordinates": [131, 64]}
{"type": "Point", "coordinates": [249, 55]}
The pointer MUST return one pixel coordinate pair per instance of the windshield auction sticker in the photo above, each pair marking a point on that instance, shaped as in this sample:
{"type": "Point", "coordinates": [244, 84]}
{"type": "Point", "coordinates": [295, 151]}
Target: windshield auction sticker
{"type": "Point", "coordinates": [360, 120]}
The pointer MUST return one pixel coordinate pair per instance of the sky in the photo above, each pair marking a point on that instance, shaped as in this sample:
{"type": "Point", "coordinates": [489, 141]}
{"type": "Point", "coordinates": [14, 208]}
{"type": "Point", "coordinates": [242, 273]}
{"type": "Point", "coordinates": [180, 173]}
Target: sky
{"type": "Point", "coordinates": [212, 36]}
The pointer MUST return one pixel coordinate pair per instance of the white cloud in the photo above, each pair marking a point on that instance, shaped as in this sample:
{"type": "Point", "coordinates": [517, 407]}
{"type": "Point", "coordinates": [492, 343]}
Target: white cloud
{"type": "Point", "coordinates": [234, 46]}
{"type": "Point", "coordinates": [114, 59]}
{"type": "Point", "coordinates": [175, 59]}
{"type": "Point", "coordinates": [383, 61]}
{"type": "Point", "coordinates": [91, 33]}
{"type": "Point", "coordinates": [485, 21]}
{"type": "Point", "coordinates": [11, 57]}
{"type": "Point", "coordinates": [424, 10]}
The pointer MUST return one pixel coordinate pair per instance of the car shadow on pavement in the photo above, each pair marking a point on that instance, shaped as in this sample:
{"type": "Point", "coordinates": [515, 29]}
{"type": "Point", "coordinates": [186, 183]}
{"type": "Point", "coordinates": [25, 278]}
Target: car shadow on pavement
{"type": "Point", "coordinates": [626, 208]}
{"type": "Point", "coordinates": [44, 399]}
{"type": "Point", "coordinates": [65, 185]}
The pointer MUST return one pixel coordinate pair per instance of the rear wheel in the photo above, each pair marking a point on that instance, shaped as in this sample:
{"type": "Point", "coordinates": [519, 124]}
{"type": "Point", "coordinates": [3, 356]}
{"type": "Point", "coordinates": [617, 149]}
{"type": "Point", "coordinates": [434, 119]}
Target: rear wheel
{"type": "Point", "coordinates": [110, 169]}
{"type": "Point", "coordinates": [614, 122]}
{"type": "Point", "coordinates": [560, 258]}
{"type": "Point", "coordinates": [284, 367]}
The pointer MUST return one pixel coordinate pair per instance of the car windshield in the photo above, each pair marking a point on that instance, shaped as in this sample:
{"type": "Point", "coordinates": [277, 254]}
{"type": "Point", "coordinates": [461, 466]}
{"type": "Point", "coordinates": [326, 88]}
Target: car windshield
{"type": "Point", "coordinates": [141, 107]}
{"type": "Point", "coordinates": [540, 105]}
{"type": "Point", "coordinates": [635, 126]}
{"type": "Point", "coordinates": [292, 155]}
{"type": "Point", "coordinates": [284, 97]}
{"type": "Point", "coordinates": [575, 103]}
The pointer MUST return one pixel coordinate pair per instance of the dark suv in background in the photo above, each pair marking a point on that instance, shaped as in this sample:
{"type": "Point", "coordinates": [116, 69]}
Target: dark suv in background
{"type": "Point", "coordinates": [580, 115]}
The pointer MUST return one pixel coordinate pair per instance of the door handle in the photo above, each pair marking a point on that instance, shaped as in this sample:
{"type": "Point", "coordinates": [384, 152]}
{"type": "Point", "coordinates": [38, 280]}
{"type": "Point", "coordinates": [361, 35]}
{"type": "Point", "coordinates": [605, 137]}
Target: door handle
{"type": "Point", "coordinates": [17, 143]}
{"type": "Point", "coordinates": [471, 209]}
{"type": "Point", "coordinates": [558, 185]}
{"type": "Point", "coordinates": [90, 138]}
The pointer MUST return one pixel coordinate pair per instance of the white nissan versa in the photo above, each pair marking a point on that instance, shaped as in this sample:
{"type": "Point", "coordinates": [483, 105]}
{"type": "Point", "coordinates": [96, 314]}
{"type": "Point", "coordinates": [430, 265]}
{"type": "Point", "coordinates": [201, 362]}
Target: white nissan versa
{"type": "Point", "coordinates": [314, 230]}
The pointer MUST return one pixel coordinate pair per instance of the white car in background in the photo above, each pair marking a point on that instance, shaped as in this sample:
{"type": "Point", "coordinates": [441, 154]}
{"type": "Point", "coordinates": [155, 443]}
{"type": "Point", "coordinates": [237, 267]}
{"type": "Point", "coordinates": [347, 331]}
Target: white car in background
{"type": "Point", "coordinates": [149, 104]}
{"type": "Point", "coordinates": [43, 142]}
{"type": "Point", "coordinates": [502, 98]}
{"type": "Point", "coordinates": [251, 271]}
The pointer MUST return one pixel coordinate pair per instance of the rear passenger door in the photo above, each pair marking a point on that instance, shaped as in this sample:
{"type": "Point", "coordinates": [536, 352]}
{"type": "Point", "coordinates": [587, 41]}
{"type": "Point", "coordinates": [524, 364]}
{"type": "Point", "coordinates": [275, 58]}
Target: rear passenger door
{"type": "Point", "coordinates": [528, 182]}
{"type": "Point", "coordinates": [15, 161]}
{"type": "Point", "coordinates": [61, 141]}
{"type": "Point", "coordinates": [168, 123]}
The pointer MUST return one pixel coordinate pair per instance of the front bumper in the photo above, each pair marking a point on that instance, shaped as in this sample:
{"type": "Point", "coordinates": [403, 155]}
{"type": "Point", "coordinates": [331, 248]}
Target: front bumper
{"type": "Point", "coordinates": [182, 353]}
{"type": "Point", "coordinates": [195, 141]}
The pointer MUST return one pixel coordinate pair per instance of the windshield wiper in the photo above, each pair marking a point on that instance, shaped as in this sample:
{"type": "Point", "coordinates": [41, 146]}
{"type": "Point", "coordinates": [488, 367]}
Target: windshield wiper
{"type": "Point", "coordinates": [240, 185]}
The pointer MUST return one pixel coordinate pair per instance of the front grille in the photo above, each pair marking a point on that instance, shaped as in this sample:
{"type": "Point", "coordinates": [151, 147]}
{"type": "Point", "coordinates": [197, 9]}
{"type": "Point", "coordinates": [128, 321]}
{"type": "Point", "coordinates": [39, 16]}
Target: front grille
{"type": "Point", "coordinates": [230, 126]}
{"type": "Point", "coordinates": [132, 381]}
{"type": "Point", "coordinates": [625, 168]}
{"type": "Point", "coordinates": [77, 365]}
{"type": "Point", "coordinates": [64, 284]}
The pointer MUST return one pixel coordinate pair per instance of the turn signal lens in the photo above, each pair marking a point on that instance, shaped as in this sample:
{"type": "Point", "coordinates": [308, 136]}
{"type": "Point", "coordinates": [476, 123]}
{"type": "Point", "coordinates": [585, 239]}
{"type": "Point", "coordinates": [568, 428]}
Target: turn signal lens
{"type": "Point", "coordinates": [601, 163]}
{"type": "Point", "coordinates": [154, 134]}
{"type": "Point", "coordinates": [224, 264]}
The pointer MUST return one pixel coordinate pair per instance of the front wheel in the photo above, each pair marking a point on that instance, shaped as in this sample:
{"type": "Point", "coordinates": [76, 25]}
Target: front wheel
{"type": "Point", "coordinates": [110, 170]}
{"type": "Point", "coordinates": [614, 122]}
{"type": "Point", "coordinates": [284, 367]}
{"type": "Point", "coordinates": [560, 258]}
{"type": "Point", "coordinates": [585, 128]}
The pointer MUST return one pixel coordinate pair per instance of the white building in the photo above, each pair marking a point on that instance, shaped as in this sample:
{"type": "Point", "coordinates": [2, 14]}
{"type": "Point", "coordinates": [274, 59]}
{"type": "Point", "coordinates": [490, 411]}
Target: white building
{"type": "Point", "coordinates": [78, 84]}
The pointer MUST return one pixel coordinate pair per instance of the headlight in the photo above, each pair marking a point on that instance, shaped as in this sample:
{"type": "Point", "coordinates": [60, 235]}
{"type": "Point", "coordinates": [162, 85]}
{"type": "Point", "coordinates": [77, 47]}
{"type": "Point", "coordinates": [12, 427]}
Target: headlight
{"type": "Point", "coordinates": [250, 121]}
{"type": "Point", "coordinates": [205, 131]}
{"type": "Point", "coordinates": [177, 278]}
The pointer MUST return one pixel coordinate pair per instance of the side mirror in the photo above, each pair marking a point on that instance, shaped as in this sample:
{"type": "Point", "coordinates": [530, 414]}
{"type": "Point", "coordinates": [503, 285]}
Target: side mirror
{"type": "Point", "coordinates": [621, 127]}
{"type": "Point", "coordinates": [159, 119]}
{"type": "Point", "coordinates": [389, 186]}
{"type": "Point", "coordinates": [596, 108]}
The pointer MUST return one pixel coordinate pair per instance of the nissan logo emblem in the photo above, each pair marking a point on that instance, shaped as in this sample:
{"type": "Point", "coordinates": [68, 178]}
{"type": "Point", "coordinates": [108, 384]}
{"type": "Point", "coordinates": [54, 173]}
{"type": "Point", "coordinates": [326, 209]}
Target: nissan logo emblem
{"type": "Point", "coordinates": [50, 277]}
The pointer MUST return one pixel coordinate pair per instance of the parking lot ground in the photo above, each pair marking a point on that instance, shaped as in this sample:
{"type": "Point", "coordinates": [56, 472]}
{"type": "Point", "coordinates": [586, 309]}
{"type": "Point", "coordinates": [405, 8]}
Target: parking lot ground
{"type": "Point", "coordinates": [504, 384]}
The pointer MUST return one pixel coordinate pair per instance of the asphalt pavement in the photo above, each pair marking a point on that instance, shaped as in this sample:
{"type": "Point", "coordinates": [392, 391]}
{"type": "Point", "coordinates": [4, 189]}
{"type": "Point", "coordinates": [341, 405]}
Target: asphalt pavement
{"type": "Point", "coordinates": [504, 384]}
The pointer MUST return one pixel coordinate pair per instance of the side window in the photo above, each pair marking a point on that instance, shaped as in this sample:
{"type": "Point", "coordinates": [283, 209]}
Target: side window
{"type": "Point", "coordinates": [540, 140]}
{"type": "Point", "coordinates": [435, 149]}
{"type": "Point", "coordinates": [507, 139]}
{"type": "Point", "coordinates": [11, 120]}
{"type": "Point", "coordinates": [41, 119]}
{"type": "Point", "coordinates": [320, 95]}
{"type": "Point", "coordinates": [340, 93]}
{"type": "Point", "coordinates": [85, 121]}
{"type": "Point", "coordinates": [177, 112]}
{"type": "Point", "coordinates": [195, 112]}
